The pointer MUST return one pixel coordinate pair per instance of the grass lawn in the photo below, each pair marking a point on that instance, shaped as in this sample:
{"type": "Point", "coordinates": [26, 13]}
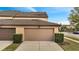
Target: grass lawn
{"type": "Point", "coordinates": [11, 47]}
{"type": "Point", "coordinates": [69, 45]}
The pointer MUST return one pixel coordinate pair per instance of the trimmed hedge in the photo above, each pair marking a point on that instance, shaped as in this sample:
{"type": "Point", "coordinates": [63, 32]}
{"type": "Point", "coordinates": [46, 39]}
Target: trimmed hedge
{"type": "Point", "coordinates": [59, 37]}
{"type": "Point", "coordinates": [17, 38]}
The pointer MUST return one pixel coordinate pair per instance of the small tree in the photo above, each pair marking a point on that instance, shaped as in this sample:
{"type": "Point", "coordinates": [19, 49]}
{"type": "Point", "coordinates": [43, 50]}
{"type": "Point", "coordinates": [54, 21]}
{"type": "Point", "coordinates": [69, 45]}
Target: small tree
{"type": "Point", "coordinates": [77, 27]}
{"type": "Point", "coordinates": [74, 15]}
{"type": "Point", "coordinates": [62, 28]}
{"type": "Point", "coordinates": [74, 18]}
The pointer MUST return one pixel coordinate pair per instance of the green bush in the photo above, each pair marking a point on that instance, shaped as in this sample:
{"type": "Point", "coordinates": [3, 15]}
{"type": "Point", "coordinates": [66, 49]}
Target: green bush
{"type": "Point", "coordinates": [17, 38]}
{"type": "Point", "coordinates": [77, 27]}
{"type": "Point", "coordinates": [59, 37]}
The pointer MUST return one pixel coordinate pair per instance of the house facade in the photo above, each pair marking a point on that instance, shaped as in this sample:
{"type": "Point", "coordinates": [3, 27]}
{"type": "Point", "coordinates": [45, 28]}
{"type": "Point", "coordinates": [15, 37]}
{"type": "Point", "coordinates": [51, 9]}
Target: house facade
{"type": "Point", "coordinates": [34, 26]}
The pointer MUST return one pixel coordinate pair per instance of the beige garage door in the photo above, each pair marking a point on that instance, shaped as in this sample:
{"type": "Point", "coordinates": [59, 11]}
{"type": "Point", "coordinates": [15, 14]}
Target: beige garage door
{"type": "Point", "coordinates": [6, 34]}
{"type": "Point", "coordinates": [38, 34]}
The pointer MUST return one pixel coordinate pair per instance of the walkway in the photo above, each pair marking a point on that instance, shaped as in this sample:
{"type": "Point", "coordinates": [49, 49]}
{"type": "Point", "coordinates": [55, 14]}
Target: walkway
{"type": "Point", "coordinates": [4, 44]}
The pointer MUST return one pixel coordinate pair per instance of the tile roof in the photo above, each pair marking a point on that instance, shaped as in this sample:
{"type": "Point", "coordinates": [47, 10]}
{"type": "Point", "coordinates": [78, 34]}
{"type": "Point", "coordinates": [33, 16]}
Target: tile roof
{"type": "Point", "coordinates": [11, 22]}
{"type": "Point", "coordinates": [23, 14]}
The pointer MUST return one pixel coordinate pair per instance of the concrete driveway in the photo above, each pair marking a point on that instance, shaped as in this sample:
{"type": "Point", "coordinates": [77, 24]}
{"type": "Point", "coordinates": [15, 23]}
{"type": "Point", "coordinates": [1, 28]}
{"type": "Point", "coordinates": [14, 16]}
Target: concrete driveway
{"type": "Point", "coordinates": [4, 44]}
{"type": "Point", "coordinates": [39, 46]}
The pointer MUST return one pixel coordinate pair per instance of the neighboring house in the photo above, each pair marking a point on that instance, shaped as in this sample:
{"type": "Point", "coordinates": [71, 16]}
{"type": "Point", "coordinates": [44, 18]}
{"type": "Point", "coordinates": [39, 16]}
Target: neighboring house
{"type": "Point", "coordinates": [34, 26]}
{"type": "Point", "coordinates": [69, 26]}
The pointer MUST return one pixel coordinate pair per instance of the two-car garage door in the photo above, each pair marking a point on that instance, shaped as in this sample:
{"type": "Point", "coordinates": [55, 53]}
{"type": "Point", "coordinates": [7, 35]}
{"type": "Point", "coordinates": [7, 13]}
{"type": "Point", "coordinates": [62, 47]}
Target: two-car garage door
{"type": "Point", "coordinates": [6, 34]}
{"type": "Point", "coordinates": [38, 34]}
{"type": "Point", "coordinates": [29, 34]}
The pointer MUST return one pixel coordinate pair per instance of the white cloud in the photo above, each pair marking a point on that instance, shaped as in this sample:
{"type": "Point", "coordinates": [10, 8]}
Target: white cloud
{"type": "Point", "coordinates": [63, 21]}
{"type": "Point", "coordinates": [32, 9]}
{"type": "Point", "coordinates": [25, 9]}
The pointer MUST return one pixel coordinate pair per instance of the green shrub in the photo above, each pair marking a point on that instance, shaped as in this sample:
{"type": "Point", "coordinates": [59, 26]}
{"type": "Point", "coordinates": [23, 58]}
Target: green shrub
{"type": "Point", "coordinates": [77, 27]}
{"type": "Point", "coordinates": [59, 37]}
{"type": "Point", "coordinates": [17, 38]}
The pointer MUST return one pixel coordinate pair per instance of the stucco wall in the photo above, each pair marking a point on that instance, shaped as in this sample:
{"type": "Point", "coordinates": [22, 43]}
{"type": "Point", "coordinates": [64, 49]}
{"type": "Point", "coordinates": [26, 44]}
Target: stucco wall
{"type": "Point", "coordinates": [56, 30]}
{"type": "Point", "coordinates": [45, 19]}
{"type": "Point", "coordinates": [55, 27]}
{"type": "Point", "coordinates": [20, 30]}
{"type": "Point", "coordinates": [5, 17]}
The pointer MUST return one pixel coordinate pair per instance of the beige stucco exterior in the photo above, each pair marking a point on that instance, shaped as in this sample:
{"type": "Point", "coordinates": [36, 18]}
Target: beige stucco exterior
{"type": "Point", "coordinates": [21, 29]}
{"type": "Point", "coordinates": [56, 30]}
{"type": "Point", "coordinates": [45, 19]}
{"type": "Point", "coordinates": [53, 27]}
{"type": "Point", "coordinates": [5, 18]}
{"type": "Point", "coordinates": [45, 32]}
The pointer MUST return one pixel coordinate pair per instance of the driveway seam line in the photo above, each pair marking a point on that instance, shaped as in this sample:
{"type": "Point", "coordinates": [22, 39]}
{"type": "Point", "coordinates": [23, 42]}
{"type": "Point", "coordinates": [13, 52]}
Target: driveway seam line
{"type": "Point", "coordinates": [39, 45]}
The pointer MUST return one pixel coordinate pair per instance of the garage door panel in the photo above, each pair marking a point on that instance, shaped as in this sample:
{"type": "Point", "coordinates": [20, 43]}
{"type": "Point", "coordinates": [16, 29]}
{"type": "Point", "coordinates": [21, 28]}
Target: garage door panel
{"type": "Point", "coordinates": [46, 34]}
{"type": "Point", "coordinates": [30, 34]}
{"type": "Point", "coordinates": [6, 34]}
{"type": "Point", "coordinates": [38, 34]}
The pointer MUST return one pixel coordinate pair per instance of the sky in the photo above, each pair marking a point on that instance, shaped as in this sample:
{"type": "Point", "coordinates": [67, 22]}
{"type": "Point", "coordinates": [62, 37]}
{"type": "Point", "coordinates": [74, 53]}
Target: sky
{"type": "Point", "coordinates": [55, 14]}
